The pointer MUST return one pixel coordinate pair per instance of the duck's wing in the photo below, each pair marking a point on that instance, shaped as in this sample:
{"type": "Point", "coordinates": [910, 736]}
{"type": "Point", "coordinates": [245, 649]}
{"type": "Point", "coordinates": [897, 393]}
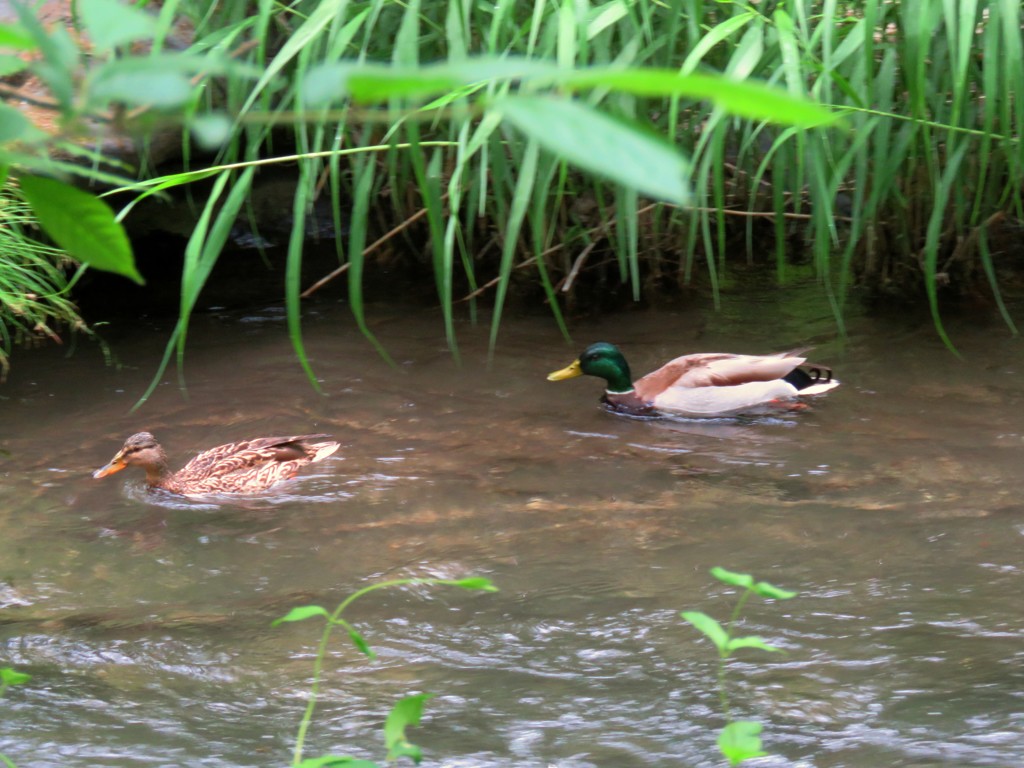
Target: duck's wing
{"type": "Point", "coordinates": [248, 455]}
{"type": "Point", "coordinates": [717, 369]}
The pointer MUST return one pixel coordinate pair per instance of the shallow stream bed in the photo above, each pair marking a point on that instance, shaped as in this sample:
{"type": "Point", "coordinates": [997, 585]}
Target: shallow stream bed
{"type": "Point", "coordinates": [893, 505]}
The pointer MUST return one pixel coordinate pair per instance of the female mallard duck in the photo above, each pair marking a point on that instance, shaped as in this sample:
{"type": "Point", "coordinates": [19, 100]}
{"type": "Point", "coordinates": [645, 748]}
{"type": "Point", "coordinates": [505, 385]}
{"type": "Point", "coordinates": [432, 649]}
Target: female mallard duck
{"type": "Point", "coordinates": [705, 384]}
{"type": "Point", "coordinates": [247, 466]}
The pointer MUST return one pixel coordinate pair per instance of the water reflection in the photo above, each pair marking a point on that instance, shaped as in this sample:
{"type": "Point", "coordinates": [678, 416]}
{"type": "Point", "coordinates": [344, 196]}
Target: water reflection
{"type": "Point", "coordinates": [892, 505]}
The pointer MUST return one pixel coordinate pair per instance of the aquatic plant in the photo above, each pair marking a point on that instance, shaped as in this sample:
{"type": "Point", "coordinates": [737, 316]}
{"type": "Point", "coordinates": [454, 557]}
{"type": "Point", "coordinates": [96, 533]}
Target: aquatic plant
{"type": "Point", "coordinates": [9, 677]}
{"type": "Point", "coordinates": [406, 712]}
{"type": "Point", "coordinates": [739, 740]}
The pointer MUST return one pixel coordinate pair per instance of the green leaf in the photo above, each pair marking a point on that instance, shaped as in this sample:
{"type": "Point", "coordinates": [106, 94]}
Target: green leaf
{"type": "Point", "coordinates": [110, 23]}
{"type": "Point", "coordinates": [15, 36]}
{"type": "Point", "coordinates": [13, 124]}
{"type": "Point", "coordinates": [741, 741]}
{"type": "Point", "coordinates": [81, 224]}
{"type": "Point", "coordinates": [709, 627]}
{"type": "Point", "coordinates": [60, 54]}
{"type": "Point", "coordinates": [359, 641]}
{"type": "Point", "coordinates": [736, 643]}
{"type": "Point", "coordinates": [621, 151]}
{"type": "Point", "coordinates": [745, 98]}
{"type": "Point", "coordinates": [211, 130]}
{"type": "Point", "coordinates": [141, 81]}
{"type": "Point", "coordinates": [11, 64]}
{"type": "Point", "coordinates": [9, 676]}
{"type": "Point", "coordinates": [752, 99]}
{"type": "Point", "coordinates": [370, 83]}
{"type": "Point", "coordinates": [407, 712]}
{"type": "Point", "coordinates": [324, 83]}
{"type": "Point", "coordinates": [301, 613]}
{"type": "Point", "coordinates": [741, 580]}
{"type": "Point", "coordinates": [326, 761]}
{"type": "Point", "coordinates": [715, 35]}
{"type": "Point", "coordinates": [477, 582]}
{"type": "Point", "coordinates": [764, 589]}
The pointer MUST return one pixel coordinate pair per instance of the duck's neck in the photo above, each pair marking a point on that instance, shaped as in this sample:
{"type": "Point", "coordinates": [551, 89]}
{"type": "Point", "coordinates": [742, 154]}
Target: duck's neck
{"type": "Point", "coordinates": [619, 380]}
{"type": "Point", "coordinates": [157, 474]}
{"type": "Point", "coordinates": [628, 402]}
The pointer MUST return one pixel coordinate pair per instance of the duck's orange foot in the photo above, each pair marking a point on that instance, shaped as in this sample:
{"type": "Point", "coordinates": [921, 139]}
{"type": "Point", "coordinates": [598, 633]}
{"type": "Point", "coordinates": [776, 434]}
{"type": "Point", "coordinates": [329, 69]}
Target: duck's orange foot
{"type": "Point", "coordinates": [790, 405]}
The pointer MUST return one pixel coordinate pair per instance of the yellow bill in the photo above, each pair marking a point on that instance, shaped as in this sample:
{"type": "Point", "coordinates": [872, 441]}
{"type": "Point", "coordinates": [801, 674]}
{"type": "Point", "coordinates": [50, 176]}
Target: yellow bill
{"type": "Point", "coordinates": [571, 372]}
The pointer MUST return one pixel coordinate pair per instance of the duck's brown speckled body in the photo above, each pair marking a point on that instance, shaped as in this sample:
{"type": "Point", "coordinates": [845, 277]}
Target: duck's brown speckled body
{"type": "Point", "coordinates": [248, 466]}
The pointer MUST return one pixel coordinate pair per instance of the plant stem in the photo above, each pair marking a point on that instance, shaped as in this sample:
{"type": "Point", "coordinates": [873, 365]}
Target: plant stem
{"type": "Point", "coordinates": [321, 652]}
{"type": "Point", "coordinates": [724, 653]}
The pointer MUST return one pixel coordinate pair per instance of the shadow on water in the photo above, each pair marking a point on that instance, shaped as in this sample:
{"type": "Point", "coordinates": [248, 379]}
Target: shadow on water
{"type": "Point", "coordinates": [892, 505]}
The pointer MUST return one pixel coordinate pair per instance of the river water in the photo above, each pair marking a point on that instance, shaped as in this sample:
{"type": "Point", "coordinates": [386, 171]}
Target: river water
{"type": "Point", "coordinates": [892, 505]}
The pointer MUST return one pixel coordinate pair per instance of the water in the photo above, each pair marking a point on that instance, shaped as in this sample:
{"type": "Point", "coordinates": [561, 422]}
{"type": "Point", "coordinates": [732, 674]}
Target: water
{"type": "Point", "coordinates": [892, 505]}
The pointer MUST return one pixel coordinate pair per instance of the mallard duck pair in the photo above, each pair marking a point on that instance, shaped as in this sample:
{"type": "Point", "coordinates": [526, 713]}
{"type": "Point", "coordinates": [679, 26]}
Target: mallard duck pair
{"type": "Point", "coordinates": [702, 385]}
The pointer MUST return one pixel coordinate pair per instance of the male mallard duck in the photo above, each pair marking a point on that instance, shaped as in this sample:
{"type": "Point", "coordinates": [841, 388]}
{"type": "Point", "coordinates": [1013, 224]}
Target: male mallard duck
{"type": "Point", "coordinates": [247, 466]}
{"type": "Point", "coordinates": [705, 384]}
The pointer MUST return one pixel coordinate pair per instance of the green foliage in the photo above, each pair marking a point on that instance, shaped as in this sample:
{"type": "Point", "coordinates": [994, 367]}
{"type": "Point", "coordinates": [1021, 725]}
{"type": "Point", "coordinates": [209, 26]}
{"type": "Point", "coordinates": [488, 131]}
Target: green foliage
{"type": "Point", "coordinates": [9, 677]}
{"type": "Point", "coordinates": [34, 288]}
{"type": "Point", "coordinates": [80, 224]}
{"type": "Point", "coordinates": [739, 740]}
{"type": "Point", "coordinates": [497, 120]}
{"type": "Point", "coordinates": [405, 713]}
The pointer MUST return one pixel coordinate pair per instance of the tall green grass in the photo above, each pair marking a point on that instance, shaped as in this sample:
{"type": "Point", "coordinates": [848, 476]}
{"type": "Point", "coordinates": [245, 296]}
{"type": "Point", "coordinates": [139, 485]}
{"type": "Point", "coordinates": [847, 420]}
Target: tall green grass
{"type": "Point", "coordinates": [928, 153]}
{"type": "Point", "coordinates": [631, 139]}
{"type": "Point", "coordinates": [35, 303]}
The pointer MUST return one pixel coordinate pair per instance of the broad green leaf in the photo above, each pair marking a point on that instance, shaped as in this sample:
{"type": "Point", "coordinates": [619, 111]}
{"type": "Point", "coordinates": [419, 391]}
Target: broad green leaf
{"type": "Point", "coordinates": [140, 81]}
{"type": "Point", "coordinates": [60, 54]}
{"type": "Point", "coordinates": [741, 580]}
{"type": "Point", "coordinates": [211, 130]}
{"type": "Point", "coordinates": [764, 589]}
{"type": "Point", "coordinates": [751, 641]}
{"type": "Point", "coordinates": [9, 676]}
{"type": "Point", "coordinates": [407, 712]}
{"type": "Point", "coordinates": [370, 83]}
{"type": "Point", "coordinates": [750, 99]}
{"type": "Point", "coordinates": [13, 124]}
{"type": "Point", "coordinates": [301, 613]}
{"type": "Point", "coordinates": [477, 582]}
{"type": "Point", "coordinates": [709, 627]}
{"type": "Point", "coordinates": [81, 224]}
{"type": "Point", "coordinates": [755, 100]}
{"type": "Point", "coordinates": [741, 741]}
{"type": "Point", "coordinates": [327, 761]}
{"type": "Point", "coordinates": [15, 36]}
{"type": "Point", "coordinates": [11, 64]}
{"type": "Point", "coordinates": [110, 23]}
{"type": "Point", "coordinates": [620, 151]}
{"type": "Point", "coordinates": [325, 83]}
